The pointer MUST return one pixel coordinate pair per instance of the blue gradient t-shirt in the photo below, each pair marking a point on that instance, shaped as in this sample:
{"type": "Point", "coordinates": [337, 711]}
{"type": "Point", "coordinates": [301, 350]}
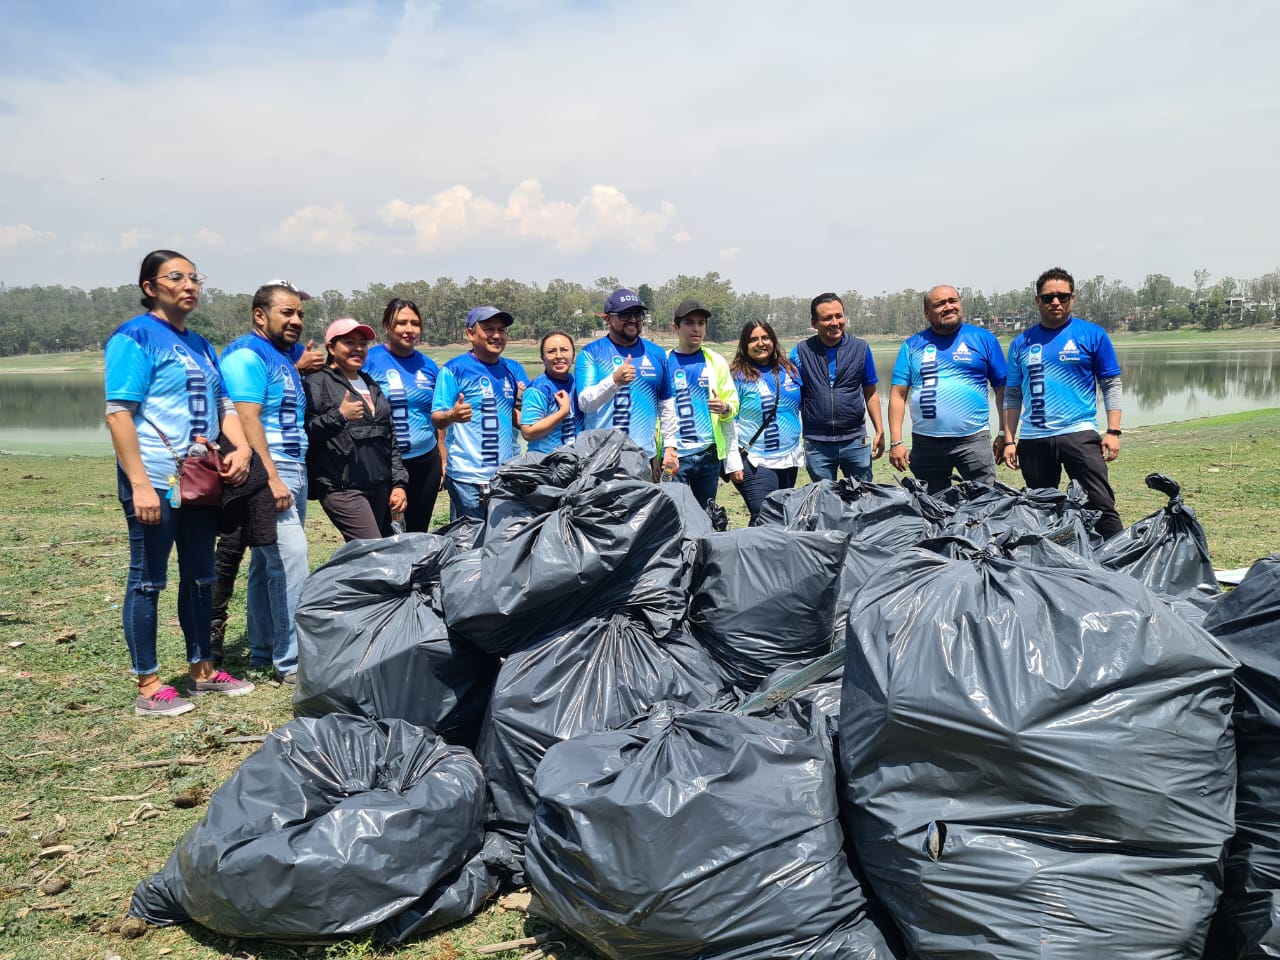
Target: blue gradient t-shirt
{"type": "Point", "coordinates": [778, 443]}
{"type": "Point", "coordinates": [256, 371]}
{"type": "Point", "coordinates": [173, 376]}
{"type": "Point", "coordinates": [635, 407]}
{"type": "Point", "coordinates": [689, 384]}
{"type": "Point", "coordinates": [540, 400]}
{"type": "Point", "coordinates": [948, 377]}
{"type": "Point", "coordinates": [477, 448]}
{"type": "Point", "coordinates": [1057, 372]}
{"type": "Point", "coordinates": [409, 384]}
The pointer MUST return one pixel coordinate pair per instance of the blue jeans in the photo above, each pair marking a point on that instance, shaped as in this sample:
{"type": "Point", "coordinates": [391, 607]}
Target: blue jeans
{"type": "Point", "coordinates": [852, 457]}
{"type": "Point", "coordinates": [700, 472]}
{"type": "Point", "coordinates": [193, 530]}
{"type": "Point", "coordinates": [465, 499]}
{"type": "Point", "coordinates": [276, 573]}
{"type": "Point", "coordinates": [758, 482]}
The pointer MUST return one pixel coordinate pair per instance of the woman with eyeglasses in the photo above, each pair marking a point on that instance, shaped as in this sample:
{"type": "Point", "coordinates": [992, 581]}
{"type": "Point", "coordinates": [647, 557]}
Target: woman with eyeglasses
{"type": "Point", "coordinates": [164, 396]}
{"type": "Point", "coordinates": [769, 447]}
{"type": "Point", "coordinates": [353, 462]}
{"type": "Point", "coordinates": [408, 378]}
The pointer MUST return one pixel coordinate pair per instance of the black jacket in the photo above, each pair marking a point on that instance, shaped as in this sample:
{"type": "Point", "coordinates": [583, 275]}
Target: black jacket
{"type": "Point", "coordinates": [347, 454]}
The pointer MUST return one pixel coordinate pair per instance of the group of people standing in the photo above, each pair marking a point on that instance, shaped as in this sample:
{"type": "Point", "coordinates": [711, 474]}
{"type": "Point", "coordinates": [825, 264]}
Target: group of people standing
{"type": "Point", "coordinates": [374, 430]}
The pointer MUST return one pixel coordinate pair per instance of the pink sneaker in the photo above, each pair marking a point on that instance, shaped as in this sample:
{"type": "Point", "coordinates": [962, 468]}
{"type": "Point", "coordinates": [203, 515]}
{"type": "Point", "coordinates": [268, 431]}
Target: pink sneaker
{"type": "Point", "coordinates": [221, 682]}
{"type": "Point", "coordinates": [165, 702]}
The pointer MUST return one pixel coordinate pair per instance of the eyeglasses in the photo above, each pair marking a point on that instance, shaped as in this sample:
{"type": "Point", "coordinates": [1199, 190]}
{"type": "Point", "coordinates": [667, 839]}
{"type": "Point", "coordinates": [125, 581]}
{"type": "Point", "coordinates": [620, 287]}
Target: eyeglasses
{"type": "Point", "coordinates": [1048, 298]}
{"type": "Point", "coordinates": [177, 277]}
{"type": "Point", "coordinates": [631, 316]}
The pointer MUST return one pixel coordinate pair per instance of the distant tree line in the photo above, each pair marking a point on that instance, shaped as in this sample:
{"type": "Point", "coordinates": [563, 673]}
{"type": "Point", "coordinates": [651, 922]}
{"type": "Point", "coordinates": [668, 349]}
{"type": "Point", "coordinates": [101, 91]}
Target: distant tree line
{"type": "Point", "coordinates": [43, 319]}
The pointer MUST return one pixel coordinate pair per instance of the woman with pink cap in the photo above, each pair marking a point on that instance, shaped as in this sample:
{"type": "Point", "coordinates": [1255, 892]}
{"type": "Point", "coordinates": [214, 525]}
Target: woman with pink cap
{"type": "Point", "coordinates": [353, 463]}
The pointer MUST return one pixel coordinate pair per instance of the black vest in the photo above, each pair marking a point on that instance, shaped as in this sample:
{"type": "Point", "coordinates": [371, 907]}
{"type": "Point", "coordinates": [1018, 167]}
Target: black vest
{"type": "Point", "coordinates": [831, 413]}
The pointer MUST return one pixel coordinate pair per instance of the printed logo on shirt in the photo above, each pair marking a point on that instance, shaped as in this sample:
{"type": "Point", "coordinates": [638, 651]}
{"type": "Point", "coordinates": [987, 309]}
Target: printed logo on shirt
{"type": "Point", "coordinates": [962, 353]}
{"type": "Point", "coordinates": [422, 379]}
{"type": "Point", "coordinates": [646, 366]}
{"type": "Point", "coordinates": [1035, 380]}
{"type": "Point", "coordinates": [929, 383]}
{"type": "Point", "coordinates": [1070, 352]}
{"type": "Point", "coordinates": [507, 390]}
{"type": "Point", "coordinates": [617, 361]}
{"type": "Point", "coordinates": [197, 397]}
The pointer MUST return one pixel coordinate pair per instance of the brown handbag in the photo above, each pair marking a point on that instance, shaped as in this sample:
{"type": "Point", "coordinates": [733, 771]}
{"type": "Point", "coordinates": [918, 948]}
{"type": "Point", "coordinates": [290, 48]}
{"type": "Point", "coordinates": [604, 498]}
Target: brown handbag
{"type": "Point", "coordinates": [198, 477]}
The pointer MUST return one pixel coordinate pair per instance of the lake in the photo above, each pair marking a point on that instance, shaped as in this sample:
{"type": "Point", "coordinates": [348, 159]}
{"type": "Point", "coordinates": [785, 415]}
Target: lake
{"type": "Point", "coordinates": [62, 413]}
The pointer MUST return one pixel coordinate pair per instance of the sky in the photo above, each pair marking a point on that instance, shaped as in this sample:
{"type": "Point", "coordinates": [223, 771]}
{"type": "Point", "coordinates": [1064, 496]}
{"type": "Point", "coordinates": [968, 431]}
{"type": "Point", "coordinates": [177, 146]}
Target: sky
{"type": "Point", "coordinates": [792, 147]}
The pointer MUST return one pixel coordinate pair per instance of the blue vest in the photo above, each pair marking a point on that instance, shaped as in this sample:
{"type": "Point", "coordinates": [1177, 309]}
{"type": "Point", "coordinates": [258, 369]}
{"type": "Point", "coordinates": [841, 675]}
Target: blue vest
{"type": "Point", "coordinates": [838, 412]}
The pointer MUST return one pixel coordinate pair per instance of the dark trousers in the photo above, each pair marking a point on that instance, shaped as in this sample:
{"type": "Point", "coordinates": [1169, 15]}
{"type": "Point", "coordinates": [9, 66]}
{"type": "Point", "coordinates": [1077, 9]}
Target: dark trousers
{"type": "Point", "coordinates": [758, 482]}
{"type": "Point", "coordinates": [934, 458]}
{"type": "Point", "coordinates": [1044, 458]}
{"type": "Point", "coordinates": [226, 567]}
{"type": "Point", "coordinates": [359, 514]}
{"type": "Point", "coordinates": [424, 485]}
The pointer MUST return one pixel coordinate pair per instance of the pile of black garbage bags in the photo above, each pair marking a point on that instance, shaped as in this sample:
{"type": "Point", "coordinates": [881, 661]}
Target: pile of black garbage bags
{"type": "Point", "coordinates": [878, 725]}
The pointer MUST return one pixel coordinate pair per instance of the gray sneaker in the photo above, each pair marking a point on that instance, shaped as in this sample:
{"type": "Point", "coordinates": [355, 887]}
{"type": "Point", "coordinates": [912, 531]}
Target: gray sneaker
{"type": "Point", "coordinates": [165, 702]}
{"type": "Point", "coordinates": [290, 679]}
{"type": "Point", "coordinates": [221, 682]}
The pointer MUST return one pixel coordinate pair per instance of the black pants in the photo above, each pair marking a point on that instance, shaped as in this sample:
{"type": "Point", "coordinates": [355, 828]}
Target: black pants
{"type": "Point", "coordinates": [1044, 458]}
{"type": "Point", "coordinates": [424, 484]}
{"type": "Point", "coordinates": [359, 514]}
{"type": "Point", "coordinates": [226, 567]}
{"type": "Point", "coordinates": [934, 458]}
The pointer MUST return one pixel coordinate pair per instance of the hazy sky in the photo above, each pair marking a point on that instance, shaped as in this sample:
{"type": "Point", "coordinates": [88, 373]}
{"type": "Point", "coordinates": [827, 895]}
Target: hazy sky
{"type": "Point", "coordinates": [794, 147]}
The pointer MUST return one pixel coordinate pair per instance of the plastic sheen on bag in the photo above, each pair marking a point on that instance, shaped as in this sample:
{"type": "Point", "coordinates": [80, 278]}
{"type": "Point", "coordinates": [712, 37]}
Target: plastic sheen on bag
{"type": "Point", "coordinates": [372, 641]}
{"type": "Point", "coordinates": [1039, 759]}
{"type": "Point", "coordinates": [699, 834]}
{"type": "Point", "coordinates": [334, 826]}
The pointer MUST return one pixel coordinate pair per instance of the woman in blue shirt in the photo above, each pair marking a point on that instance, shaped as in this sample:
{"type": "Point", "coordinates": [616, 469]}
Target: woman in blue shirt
{"type": "Point", "coordinates": [769, 446]}
{"type": "Point", "coordinates": [408, 379]}
{"type": "Point", "coordinates": [549, 415]}
{"type": "Point", "coordinates": [164, 395]}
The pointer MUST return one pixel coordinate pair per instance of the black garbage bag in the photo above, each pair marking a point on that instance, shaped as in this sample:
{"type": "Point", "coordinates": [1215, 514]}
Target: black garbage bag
{"type": "Point", "coordinates": [1247, 621]}
{"type": "Point", "coordinates": [1167, 550]}
{"type": "Point", "coordinates": [372, 641]}
{"type": "Point", "coordinates": [983, 513]}
{"type": "Point", "coordinates": [821, 692]}
{"type": "Point", "coordinates": [593, 676]}
{"type": "Point", "coordinates": [888, 515]}
{"type": "Point", "coordinates": [334, 826]}
{"type": "Point", "coordinates": [598, 546]}
{"type": "Point", "coordinates": [765, 597]}
{"type": "Point", "coordinates": [1039, 759]}
{"type": "Point", "coordinates": [699, 834]}
{"type": "Point", "coordinates": [463, 532]}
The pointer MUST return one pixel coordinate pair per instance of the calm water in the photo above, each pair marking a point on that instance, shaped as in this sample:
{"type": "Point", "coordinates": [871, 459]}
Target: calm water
{"type": "Point", "coordinates": [62, 413]}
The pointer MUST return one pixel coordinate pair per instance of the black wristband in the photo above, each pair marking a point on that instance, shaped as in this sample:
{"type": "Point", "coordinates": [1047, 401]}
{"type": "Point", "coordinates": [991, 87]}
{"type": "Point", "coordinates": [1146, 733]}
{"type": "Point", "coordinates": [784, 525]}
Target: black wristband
{"type": "Point", "coordinates": [1113, 433]}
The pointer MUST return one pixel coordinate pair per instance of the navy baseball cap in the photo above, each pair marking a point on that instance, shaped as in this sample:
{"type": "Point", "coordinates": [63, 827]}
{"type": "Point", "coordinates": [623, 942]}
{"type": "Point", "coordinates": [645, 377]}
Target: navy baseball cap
{"type": "Point", "coordinates": [624, 299]}
{"type": "Point", "coordinates": [480, 314]}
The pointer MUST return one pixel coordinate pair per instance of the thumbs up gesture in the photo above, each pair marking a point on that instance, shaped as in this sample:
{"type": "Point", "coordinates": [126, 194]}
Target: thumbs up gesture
{"type": "Point", "coordinates": [461, 412]}
{"type": "Point", "coordinates": [625, 373]}
{"type": "Point", "coordinates": [714, 403]}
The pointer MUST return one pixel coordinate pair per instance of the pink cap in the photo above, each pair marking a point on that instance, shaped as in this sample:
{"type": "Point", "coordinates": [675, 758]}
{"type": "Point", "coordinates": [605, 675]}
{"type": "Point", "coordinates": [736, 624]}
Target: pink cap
{"type": "Point", "coordinates": [345, 325]}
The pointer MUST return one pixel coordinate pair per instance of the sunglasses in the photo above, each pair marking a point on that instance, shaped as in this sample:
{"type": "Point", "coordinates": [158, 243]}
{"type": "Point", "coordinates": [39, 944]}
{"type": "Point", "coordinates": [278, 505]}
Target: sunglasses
{"type": "Point", "coordinates": [1048, 298]}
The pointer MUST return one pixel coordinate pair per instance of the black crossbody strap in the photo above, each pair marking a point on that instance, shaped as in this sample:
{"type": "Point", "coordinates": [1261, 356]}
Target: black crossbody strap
{"type": "Point", "coordinates": [777, 388]}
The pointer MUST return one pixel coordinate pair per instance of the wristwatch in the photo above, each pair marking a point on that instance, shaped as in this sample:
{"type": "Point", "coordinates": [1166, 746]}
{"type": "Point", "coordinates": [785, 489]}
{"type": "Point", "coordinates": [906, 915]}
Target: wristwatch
{"type": "Point", "coordinates": [1113, 433]}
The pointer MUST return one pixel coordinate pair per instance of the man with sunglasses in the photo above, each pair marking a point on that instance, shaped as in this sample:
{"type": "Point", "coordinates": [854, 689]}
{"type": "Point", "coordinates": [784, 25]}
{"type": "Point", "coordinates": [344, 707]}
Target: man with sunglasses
{"type": "Point", "coordinates": [1055, 371]}
{"type": "Point", "coordinates": [621, 380]}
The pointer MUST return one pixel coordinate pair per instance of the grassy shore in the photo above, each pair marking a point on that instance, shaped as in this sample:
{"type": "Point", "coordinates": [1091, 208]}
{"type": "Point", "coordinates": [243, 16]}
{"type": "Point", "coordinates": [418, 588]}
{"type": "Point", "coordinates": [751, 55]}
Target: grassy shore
{"type": "Point", "coordinates": [81, 772]}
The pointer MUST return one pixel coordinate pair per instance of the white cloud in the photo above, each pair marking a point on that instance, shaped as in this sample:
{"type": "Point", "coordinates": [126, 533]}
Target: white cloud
{"type": "Point", "coordinates": [207, 238]}
{"type": "Point", "coordinates": [456, 218]}
{"type": "Point", "coordinates": [21, 233]}
{"type": "Point", "coordinates": [132, 239]}
{"type": "Point", "coordinates": [91, 245]}
{"type": "Point", "coordinates": [730, 253]}
{"type": "Point", "coordinates": [681, 236]}
{"type": "Point", "coordinates": [328, 229]}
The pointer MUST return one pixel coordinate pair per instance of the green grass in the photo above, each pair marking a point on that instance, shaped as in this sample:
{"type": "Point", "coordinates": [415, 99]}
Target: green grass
{"type": "Point", "coordinates": [67, 734]}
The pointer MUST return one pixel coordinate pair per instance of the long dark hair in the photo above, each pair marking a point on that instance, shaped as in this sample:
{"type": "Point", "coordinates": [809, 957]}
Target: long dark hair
{"type": "Point", "coordinates": [152, 262]}
{"type": "Point", "coordinates": [744, 367]}
{"type": "Point", "coordinates": [394, 307]}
